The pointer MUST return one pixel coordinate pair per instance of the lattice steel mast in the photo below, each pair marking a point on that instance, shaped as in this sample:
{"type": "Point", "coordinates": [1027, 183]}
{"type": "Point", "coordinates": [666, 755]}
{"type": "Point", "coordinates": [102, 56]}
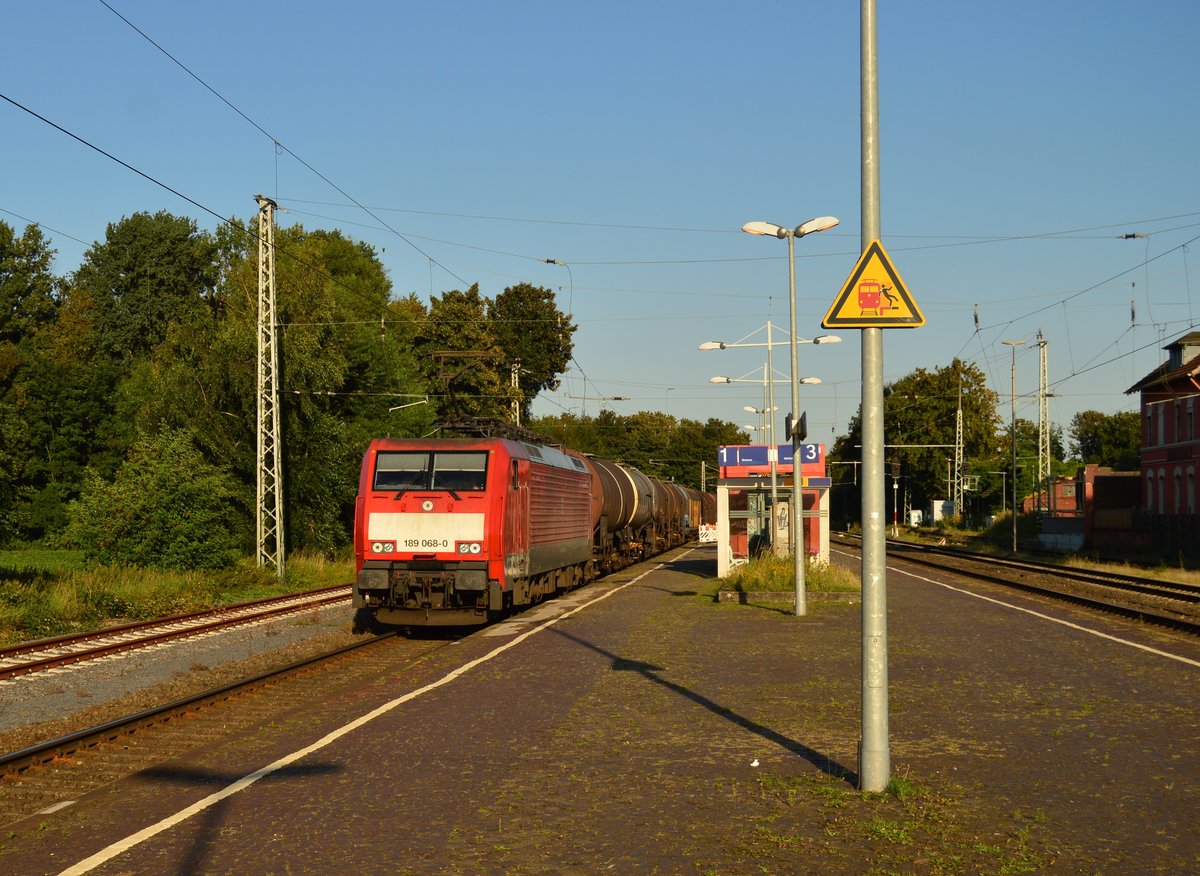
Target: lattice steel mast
{"type": "Point", "coordinates": [1044, 425]}
{"type": "Point", "coordinates": [958, 457]}
{"type": "Point", "coordinates": [270, 482]}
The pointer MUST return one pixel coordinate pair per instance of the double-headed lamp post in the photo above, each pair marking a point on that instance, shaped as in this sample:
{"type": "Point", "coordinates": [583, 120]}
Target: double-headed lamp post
{"type": "Point", "coordinates": [768, 412]}
{"type": "Point", "coordinates": [795, 526]}
{"type": "Point", "coordinates": [773, 447]}
{"type": "Point", "coordinates": [769, 229]}
{"type": "Point", "coordinates": [768, 409]}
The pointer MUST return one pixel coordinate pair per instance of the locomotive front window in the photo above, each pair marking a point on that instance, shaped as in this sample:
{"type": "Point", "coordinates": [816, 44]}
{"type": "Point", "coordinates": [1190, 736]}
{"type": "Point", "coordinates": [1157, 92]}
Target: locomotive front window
{"type": "Point", "coordinates": [457, 471]}
{"type": "Point", "coordinates": [401, 471]}
{"type": "Point", "coordinates": [464, 471]}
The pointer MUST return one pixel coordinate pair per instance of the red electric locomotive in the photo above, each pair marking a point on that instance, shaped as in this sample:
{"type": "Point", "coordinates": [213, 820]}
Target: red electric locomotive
{"type": "Point", "coordinates": [456, 531]}
{"type": "Point", "coordinates": [447, 531]}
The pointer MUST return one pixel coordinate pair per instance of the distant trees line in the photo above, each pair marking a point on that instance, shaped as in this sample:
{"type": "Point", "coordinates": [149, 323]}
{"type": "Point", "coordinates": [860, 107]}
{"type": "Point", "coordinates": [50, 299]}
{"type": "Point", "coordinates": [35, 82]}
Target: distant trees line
{"type": "Point", "coordinates": [128, 387]}
{"type": "Point", "coordinates": [921, 409]}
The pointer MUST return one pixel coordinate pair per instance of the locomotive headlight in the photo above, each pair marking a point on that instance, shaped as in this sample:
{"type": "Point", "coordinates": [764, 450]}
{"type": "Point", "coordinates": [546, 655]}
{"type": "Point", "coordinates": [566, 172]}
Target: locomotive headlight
{"type": "Point", "coordinates": [383, 547]}
{"type": "Point", "coordinates": [388, 547]}
{"type": "Point", "coordinates": [470, 547]}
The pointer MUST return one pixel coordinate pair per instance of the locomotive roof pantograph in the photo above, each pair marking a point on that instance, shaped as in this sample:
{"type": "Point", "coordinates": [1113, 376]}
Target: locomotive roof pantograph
{"type": "Point", "coordinates": [874, 296]}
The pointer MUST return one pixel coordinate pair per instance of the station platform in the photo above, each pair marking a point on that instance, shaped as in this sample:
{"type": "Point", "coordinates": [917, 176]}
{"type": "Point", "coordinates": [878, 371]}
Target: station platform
{"type": "Point", "coordinates": [640, 726]}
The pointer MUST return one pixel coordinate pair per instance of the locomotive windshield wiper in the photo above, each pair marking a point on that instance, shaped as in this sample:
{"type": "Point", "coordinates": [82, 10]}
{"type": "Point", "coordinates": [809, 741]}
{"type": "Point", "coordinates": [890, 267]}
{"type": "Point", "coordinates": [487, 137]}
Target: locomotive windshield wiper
{"type": "Point", "coordinates": [456, 496]}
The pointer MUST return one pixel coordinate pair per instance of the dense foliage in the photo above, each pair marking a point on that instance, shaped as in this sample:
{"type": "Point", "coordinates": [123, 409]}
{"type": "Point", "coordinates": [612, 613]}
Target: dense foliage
{"type": "Point", "coordinates": [920, 428]}
{"type": "Point", "coordinates": [655, 443]}
{"type": "Point", "coordinates": [128, 393]}
{"type": "Point", "coordinates": [167, 507]}
{"type": "Point", "coordinates": [128, 389]}
{"type": "Point", "coordinates": [921, 412]}
{"type": "Point", "coordinates": [1113, 440]}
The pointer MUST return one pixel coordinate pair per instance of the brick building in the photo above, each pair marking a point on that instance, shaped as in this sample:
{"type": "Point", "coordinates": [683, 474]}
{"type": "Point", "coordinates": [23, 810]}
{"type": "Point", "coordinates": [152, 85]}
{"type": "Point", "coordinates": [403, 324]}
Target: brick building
{"type": "Point", "coordinates": [1170, 396]}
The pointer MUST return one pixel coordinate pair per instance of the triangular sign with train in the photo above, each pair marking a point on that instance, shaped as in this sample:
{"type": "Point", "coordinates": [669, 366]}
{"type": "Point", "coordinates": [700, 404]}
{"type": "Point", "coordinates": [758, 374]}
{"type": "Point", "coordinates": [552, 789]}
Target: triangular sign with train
{"type": "Point", "coordinates": [874, 296]}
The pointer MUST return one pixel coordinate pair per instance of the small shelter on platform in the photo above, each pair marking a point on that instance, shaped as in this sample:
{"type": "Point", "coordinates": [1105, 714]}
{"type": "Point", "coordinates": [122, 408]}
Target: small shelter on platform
{"type": "Point", "coordinates": [747, 524]}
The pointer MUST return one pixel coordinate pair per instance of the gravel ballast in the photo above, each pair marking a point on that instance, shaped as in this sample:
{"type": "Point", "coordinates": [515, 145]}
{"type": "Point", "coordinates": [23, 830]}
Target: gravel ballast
{"type": "Point", "coordinates": [47, 704]}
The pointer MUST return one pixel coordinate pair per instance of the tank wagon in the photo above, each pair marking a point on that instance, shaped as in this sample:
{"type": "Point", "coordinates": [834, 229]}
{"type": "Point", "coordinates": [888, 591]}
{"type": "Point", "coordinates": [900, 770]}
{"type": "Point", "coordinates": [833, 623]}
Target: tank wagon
{"type": "Point", "coordinates": [457, 531]}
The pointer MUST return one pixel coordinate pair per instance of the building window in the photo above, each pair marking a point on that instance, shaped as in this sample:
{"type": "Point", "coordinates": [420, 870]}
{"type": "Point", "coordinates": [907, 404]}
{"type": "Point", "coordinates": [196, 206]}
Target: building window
{"type": "Point", "coordinates": [1150, 491]}
{"type": "Point", "coordinates": [1191, 490]}
{"type": "Point", "coordinates": [1162, 490]}
{"type": "Point", "coordinates": [1177, 499]}
{"type": "Point", "coordinates": [1160, 424]}
{"type": "Point", "coordinates": [1149, 431]}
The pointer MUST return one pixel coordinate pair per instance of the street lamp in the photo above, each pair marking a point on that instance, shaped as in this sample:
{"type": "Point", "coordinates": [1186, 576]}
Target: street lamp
{"type": "Point", "coordinates": [767, 411]}
{"type": "Point", "coordinates": [773, 450]}
{"type": "Point", "coordinates": [763, 413]}
{"type": "Point", "coordinates": [821, 223]}
{"type": "Point", "coordinates": [1012, 428]}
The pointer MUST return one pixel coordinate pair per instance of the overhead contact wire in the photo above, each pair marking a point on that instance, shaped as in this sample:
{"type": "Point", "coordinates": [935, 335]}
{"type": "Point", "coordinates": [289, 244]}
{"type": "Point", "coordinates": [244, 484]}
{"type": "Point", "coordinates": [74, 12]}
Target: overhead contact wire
{"type": "Point", "coordinates": [280, 145]}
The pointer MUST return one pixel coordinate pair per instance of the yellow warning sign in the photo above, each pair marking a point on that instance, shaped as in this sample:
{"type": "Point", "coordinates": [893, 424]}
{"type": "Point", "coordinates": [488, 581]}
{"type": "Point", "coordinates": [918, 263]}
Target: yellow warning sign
{"type": "Point", "coordinates": [874, 296]}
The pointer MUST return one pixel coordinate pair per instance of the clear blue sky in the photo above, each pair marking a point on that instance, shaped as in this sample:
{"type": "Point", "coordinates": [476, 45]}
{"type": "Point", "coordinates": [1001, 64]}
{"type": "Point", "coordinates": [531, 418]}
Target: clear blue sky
{"type": "Point", "coordinates": [632, 140]}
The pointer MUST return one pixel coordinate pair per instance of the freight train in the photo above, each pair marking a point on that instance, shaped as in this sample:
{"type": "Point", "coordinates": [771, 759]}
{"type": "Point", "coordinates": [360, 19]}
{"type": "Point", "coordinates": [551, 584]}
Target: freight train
{"type": "Point", "coordinates": [459, 531]}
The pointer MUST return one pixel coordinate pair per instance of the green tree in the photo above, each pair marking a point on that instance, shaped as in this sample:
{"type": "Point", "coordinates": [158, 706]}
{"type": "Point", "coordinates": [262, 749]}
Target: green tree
{"type": "Point", "coordinates": [920, 413]}
{"type": "Point", "coordinates": [528, 326]}
{"type": "Point", "coordinates": [29, 299]}
{"type": "Point", "coordinates": [168, 507]}
{"type": "Point", "coordinates": [656, 443]}
{"type": "Point", "coordinates": [28, 289]}
{"type": "Point", "coordinates": [345, 358]}
{"type": "Point", "coordinates": [460, 356]}
{"type": "Point", "coordinates": [150, 272]}
{"type": "Point", "coordinates": [1113, 440]}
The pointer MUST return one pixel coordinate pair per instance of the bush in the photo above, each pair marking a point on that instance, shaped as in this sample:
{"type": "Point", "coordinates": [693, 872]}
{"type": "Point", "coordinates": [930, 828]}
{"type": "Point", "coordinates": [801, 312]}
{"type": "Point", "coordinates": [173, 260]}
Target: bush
{"type": "Point", "coordinates": [775, 574]}
{"type": "Point", "coordinates": [167, 508]}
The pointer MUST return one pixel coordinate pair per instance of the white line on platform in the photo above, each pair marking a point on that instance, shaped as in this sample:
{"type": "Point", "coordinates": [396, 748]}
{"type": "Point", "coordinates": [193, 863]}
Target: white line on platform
{"type": "Point", "coordinates": [1038, 614]}
{"type": "Point", "coordinates": [124, 845]}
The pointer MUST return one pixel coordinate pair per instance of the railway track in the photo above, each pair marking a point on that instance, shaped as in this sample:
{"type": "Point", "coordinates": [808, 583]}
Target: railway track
{"type": "Point", "coordinates": [46, 654]}
{"type": "Point", "coordinates": [1164, 603]}
{"type": "Point", "coordinates": [49, 775]}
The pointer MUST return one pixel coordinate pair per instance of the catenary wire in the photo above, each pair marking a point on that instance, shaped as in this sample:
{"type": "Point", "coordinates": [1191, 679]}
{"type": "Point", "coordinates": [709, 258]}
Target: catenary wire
{"type": "Point", "coordinates": [280, 145]}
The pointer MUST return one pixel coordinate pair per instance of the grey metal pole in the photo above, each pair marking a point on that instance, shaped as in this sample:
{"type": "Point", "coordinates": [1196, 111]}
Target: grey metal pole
{"type": "Point", "coordinates": [874, 768]}
{"type": "Point", "coordinates": [796, 530]}
{"type": "Point", "coordinates": [773, 451]}
{"type": "Point", "coordinates": [1013, 430]}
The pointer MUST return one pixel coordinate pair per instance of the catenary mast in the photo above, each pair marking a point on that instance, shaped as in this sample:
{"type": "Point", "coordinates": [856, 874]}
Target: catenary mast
{"type": "Point", "coordinates": [269, 509]}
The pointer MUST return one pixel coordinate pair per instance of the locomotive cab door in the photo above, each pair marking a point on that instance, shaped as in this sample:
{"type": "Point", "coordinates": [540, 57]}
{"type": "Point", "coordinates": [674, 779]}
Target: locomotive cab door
{"type": "Point", "coordinates": [516, 521]}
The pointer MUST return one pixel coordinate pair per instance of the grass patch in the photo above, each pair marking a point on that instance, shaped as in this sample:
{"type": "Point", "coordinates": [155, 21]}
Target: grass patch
{"type": "Point", "coordinates": [910, 827]}
{"type": "Point", "coordinates": [774, 575]}
{"type": "Point", "coordinates": [51, 593]}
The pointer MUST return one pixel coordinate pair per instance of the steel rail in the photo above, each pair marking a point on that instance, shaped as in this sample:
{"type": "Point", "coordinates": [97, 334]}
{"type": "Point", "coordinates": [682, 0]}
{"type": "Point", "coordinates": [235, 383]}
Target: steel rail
{"type": "Point", "coordinates": [1132, 583]}
{"type": "Point", "coordinates": [1134, 612]}
{"type": "Point", "coordinates": [44, 752]}
{"type": "Point", "coordinates": [167, 629]}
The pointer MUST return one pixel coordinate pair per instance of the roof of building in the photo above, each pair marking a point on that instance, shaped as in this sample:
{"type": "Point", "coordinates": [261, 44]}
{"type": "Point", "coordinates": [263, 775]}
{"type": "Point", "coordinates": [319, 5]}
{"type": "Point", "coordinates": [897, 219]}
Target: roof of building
{"type": "Point", "coordinates": [1183, 361]}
